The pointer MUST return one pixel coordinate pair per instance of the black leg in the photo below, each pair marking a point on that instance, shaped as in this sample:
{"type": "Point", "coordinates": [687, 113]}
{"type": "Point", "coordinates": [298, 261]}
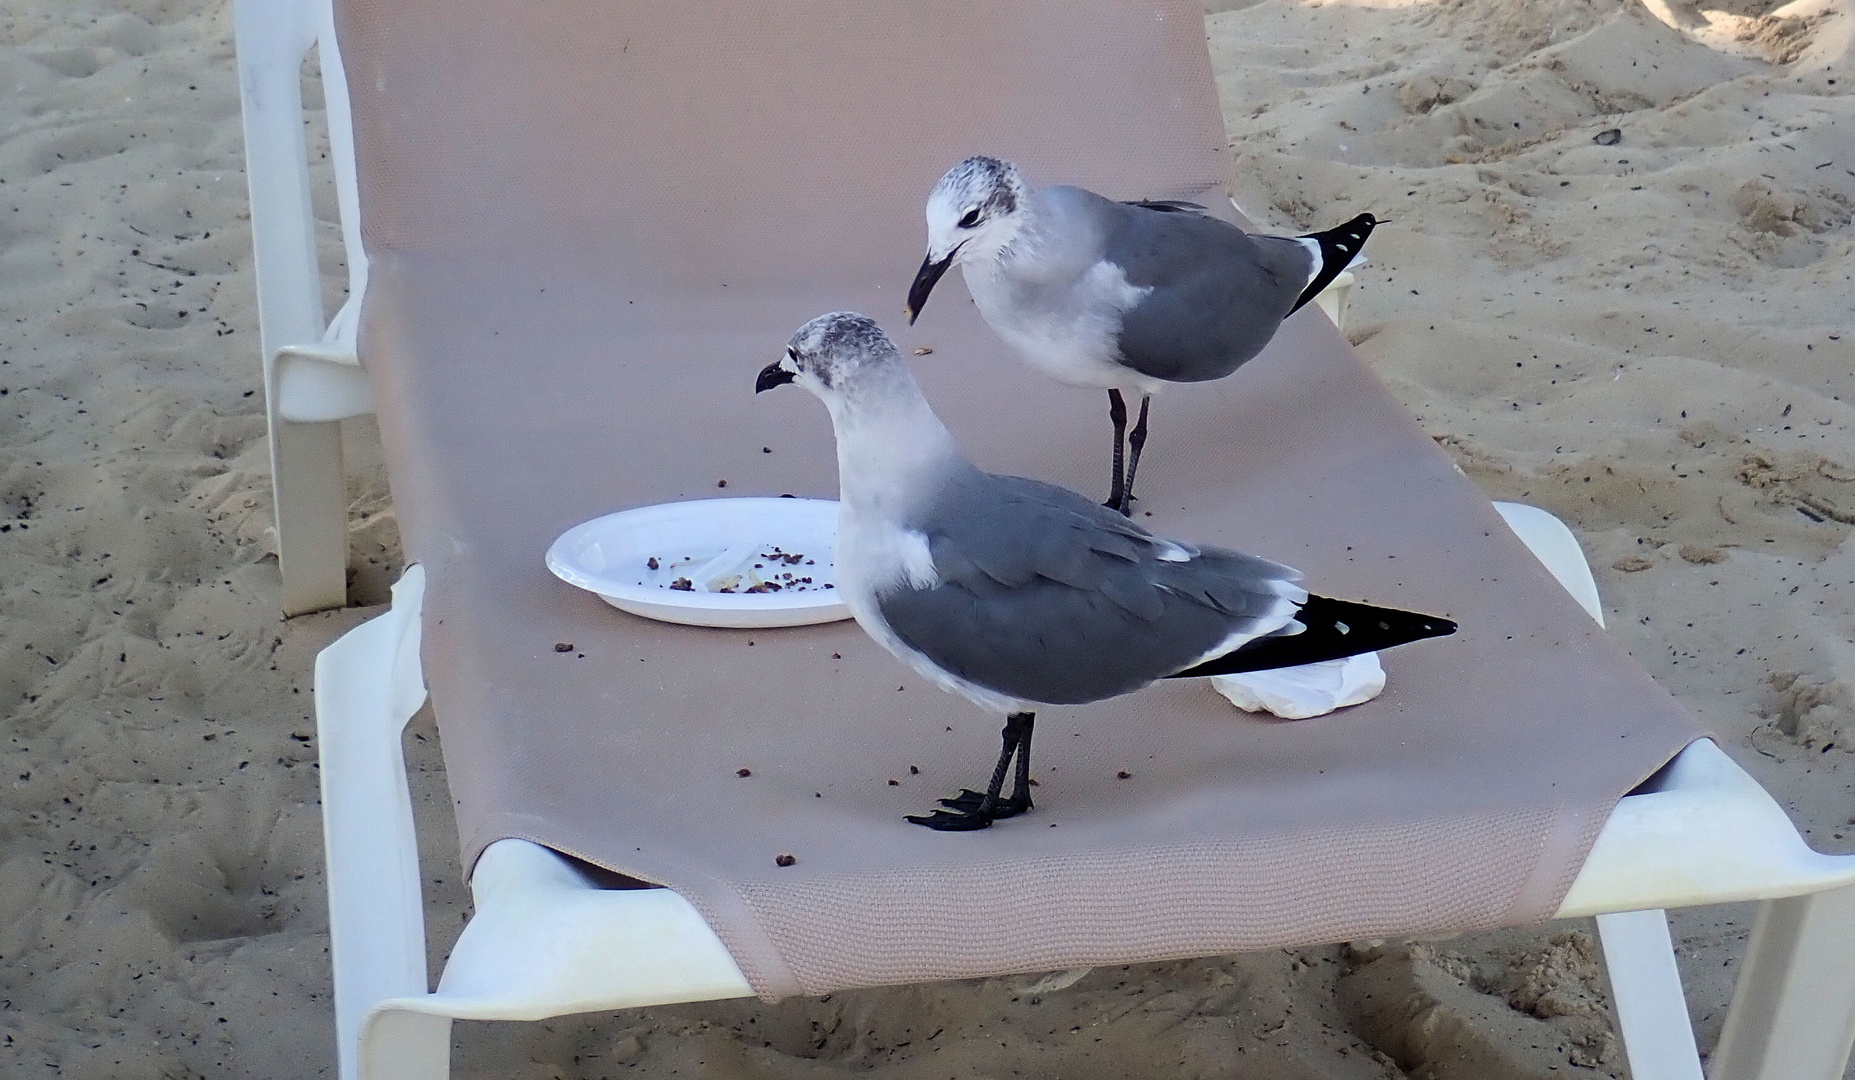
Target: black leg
{"type": "Point", "coordinates": [1136, 440]}
{"type": "Point", "coordinates": [1020, 800]}
{"type": "Point", "coordinates": [1117, 412]}
{"type": "Point", "coordinates": [973, 810]}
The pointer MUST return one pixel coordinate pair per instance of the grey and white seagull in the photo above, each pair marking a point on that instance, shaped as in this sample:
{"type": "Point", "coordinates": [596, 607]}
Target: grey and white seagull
{"type": "Point", "coordinates": [1014, 593]}
{"type": "Point", "coordinates": [1129, 296]}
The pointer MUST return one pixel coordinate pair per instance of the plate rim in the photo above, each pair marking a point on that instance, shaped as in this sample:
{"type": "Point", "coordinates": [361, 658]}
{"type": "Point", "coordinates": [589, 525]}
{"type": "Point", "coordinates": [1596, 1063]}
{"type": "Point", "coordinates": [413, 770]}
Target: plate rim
{"type": "Point", "coordinates": [561, 567]}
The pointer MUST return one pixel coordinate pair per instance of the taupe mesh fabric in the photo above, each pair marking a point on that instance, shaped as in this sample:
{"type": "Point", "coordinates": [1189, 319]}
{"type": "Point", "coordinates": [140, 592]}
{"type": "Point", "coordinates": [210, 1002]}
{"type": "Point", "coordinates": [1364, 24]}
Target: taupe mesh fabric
{"type": "Point", "coordinates": [592, 223]}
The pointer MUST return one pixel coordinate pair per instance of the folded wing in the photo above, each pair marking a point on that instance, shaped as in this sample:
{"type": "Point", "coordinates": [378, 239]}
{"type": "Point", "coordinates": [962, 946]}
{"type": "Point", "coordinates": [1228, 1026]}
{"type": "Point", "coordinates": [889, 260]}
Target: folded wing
{"type": "Point", "coordinates": [1045, 596]}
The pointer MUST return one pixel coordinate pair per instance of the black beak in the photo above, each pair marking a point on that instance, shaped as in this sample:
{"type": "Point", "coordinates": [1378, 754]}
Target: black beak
{"type": "Point", "coordinates": [924, 284]}
{"type": "Point", "coordinates": [770, 376]}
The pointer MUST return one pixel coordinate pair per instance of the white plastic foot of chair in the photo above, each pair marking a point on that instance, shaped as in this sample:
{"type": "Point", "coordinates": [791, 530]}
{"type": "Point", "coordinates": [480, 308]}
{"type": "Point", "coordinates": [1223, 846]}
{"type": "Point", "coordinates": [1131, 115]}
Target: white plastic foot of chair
{"type": "Point", "coordinates": [401, 1045]}
{"type": "Point", "coordinates": [545, 940]}
{"type": "Point", "coordinates": [1657, 1035]}
{"type": "Point", "coordinates": [311, 496]}
{"type": "Point", "coordinates": [1336, 298]}
{"type": "Point", "coordinates": [368, 685]}
{"type": "Point", "coordinates": [321, 382]}
{"type": "Point", "coordinates": [1553, 544]}
{"type": "Point", "coordinates": [1793, 1011]}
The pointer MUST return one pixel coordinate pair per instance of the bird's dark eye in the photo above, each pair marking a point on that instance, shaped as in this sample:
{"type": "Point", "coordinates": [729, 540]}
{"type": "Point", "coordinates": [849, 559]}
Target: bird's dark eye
{"type": "Point", "coordinates": [971, 218]}
{"type": "Point", "coordinates": [792, 354]}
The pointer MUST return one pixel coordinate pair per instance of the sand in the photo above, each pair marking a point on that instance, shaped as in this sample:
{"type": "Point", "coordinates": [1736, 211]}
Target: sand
{"type": "Point", "coordinates": [1617, 284]}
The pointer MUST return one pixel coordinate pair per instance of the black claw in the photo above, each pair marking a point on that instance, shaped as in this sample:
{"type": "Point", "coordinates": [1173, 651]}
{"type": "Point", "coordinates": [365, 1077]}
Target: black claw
{"type": "Point", "coordinates": [941, 821]}
{"type": "Point", "coordinates": [968, 800]}
{"type": "Point", "coordinates": [1011, 808]}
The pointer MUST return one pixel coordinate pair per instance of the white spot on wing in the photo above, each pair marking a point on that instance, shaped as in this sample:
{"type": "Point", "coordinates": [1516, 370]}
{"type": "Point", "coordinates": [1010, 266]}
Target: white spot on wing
{"type": "Point", "coordinates": [874, 556]}
{"type": "Point", "coordinates": [917, 560]}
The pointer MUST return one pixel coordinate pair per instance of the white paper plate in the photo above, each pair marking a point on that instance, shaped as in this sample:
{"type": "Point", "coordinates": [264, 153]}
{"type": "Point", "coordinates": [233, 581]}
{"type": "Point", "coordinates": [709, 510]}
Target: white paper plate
{"type": "Point", "coordinates": [705, 546]}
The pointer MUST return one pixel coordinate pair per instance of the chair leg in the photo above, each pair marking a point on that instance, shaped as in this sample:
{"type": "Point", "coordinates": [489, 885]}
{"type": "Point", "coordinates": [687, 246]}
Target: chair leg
{"type": "Point", "coordinates": [401, 1045]}
{"type": "Point", "coordinates": [1658, 1036]}
{"type": "Point", "coordinates": [311, 497]}
{"type": "Point", "coordinates": [1793, 1011]}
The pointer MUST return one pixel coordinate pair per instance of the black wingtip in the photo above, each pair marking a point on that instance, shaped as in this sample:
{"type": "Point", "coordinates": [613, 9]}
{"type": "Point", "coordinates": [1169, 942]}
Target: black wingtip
{"type": "Point", "coordinates": [1338, 247]}
{"type": "Point", "coordinates": [1335, 630]}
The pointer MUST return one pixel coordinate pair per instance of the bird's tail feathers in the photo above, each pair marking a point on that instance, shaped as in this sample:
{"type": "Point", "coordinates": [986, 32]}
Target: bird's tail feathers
{"type": "Point", "coordinates": [1339, 246]}
{"type": "Point", "coordinates": [1335, 629]}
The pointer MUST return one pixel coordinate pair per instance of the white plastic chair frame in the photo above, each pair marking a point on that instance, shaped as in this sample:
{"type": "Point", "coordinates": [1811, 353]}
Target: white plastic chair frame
{"type": "Point", "coordinates": [546, 941]}
{"type": "Point", "coordinates": [312, 378]}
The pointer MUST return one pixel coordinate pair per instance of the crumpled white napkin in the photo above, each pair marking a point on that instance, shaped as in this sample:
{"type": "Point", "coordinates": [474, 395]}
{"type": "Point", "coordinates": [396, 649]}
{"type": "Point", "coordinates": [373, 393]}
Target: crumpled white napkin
{"type": "Point", "coordinates": [1297, 693]}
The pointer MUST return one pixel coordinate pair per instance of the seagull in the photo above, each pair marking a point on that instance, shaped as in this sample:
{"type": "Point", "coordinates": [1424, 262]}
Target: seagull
{"type": "Point", "coordinates": [1128, 296]}
{"type": "Point", "coordinates": [1014, 593]}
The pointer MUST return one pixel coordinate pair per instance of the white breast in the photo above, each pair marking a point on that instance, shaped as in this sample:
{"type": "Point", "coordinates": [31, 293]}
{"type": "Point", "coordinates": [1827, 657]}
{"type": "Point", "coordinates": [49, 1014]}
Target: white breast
{"type": "Point", "coordinates": [1068, 330]}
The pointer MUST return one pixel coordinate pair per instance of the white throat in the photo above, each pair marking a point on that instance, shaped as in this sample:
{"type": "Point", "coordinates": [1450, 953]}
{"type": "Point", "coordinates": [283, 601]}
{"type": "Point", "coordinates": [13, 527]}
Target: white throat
{"type": "Point", "coordinates": [892, 450]}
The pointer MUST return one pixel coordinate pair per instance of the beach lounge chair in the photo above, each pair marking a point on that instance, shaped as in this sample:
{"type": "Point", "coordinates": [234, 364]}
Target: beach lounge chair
{"type": "Point", "coordinates": [576, 227]}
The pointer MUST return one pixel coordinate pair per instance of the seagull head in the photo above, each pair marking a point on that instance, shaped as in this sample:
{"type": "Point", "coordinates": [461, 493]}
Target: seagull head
{"type": "Point", "coordinates": [973, 213]}
{"type": "Point", "coordinates": [836, 357]}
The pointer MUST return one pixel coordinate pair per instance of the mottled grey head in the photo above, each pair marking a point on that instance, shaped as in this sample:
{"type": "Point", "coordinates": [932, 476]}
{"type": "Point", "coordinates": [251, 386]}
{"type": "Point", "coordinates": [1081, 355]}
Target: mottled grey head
{"type": "Point", "coordinates": [973, 213]}
{"type": "Point", "coordinates": [831, 354]}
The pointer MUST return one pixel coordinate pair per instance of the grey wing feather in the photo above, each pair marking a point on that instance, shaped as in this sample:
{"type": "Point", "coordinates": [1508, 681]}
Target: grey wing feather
{"type": "Point", "coordinates": [1045, 596]}
{"type": "Point", "coordinates": [1218, 294]}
